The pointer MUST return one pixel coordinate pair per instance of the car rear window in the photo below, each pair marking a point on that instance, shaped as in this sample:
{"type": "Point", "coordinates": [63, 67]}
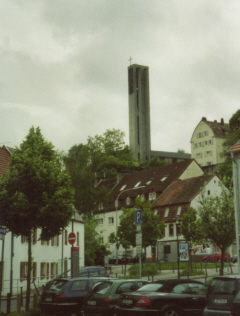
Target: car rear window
{"type": "Point", "coordinates": [151, 287]}
{"type": "Point", "coordinates": [79, 285]}
{"type": "Point", "coordinates": [57, 285]}
{"type": "Point", "coordinates": [101, 288]}
{"type": "Point", "coordinates": [222, 286]}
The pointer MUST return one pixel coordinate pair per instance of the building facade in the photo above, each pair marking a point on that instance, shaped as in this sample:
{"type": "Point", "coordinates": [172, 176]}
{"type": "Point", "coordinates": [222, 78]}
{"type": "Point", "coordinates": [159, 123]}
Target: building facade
{"type": "Point", "coordinates": [207, 140]}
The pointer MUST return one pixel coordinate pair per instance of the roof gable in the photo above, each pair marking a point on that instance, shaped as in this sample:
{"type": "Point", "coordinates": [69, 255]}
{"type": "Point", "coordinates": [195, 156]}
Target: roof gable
{"type": "Point", "coordinates": [182, 191]}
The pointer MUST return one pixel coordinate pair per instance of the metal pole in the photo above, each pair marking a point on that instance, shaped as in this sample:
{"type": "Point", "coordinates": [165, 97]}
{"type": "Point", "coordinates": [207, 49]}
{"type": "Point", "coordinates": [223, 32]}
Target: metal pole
{"type": "Point", "coordinates": [178, 274]}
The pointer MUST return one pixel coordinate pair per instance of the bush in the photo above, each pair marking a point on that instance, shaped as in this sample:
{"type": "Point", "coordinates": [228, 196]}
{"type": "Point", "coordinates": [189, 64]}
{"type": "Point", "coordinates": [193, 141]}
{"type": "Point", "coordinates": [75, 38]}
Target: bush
{"type": "Point", "coordinates": [147, 269]}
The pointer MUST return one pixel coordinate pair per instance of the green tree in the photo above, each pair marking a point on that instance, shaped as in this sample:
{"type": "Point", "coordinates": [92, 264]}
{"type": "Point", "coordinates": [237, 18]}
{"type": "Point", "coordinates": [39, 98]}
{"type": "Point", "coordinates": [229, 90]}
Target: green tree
{"type": "Point", "coordinates": [151, 227]}
{"type": "Point", "coordinates": [191, 229]}
{"type": "Point", "coordinates": [225, 169]}
{"type": "Point", "coordinates": [94, 249]}
{"type": "Point", "coordinates": [102, 157]}
{"type": "Point", "coordinates": [35, 193]}
{"type": "Point", "coordinates": [212, 221]}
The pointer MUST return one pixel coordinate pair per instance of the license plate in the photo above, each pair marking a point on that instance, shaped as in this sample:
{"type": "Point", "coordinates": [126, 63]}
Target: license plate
{"type": "Point", "coordinates": [91, 302]}
{"type": "Point", "coordinates": [48, 299]}
{"type": "Point", "coordinates": [220, 300]}
{"type": "Point", "coordinates": [127, 302]}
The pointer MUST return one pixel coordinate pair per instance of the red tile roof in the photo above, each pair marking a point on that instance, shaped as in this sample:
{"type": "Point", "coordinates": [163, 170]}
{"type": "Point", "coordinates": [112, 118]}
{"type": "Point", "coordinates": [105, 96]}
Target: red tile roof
{"type": "Point", "coordinates": [182, 191]}
{"type": "Point", "coordinates": [143, 182]}
{"type": "Point", "coordinates": [234, 148]}
{"type": "Point", "coordinates": [219, 128]}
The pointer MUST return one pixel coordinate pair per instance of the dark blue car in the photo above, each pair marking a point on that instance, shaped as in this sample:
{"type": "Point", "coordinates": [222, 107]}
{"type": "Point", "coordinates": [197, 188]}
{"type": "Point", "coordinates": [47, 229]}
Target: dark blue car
{"type": "Point", "coordinates": [65, 296]}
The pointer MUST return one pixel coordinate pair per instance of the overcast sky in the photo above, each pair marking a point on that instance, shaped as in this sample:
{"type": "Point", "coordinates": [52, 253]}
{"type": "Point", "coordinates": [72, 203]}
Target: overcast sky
{"type": "Point", "coordinates": [64, 66]}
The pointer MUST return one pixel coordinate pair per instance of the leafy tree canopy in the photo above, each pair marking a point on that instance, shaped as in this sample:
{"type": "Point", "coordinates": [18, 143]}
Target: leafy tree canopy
{"type": "Point", "coordinates": [152, 228]}
{"type": "Point", "coordinates": [225, 169]}
{"type": "Point", "coordinates": [94, 249]}
{"type": "Point", "coordinates": [35, 192]}
{"type": "Point", "coordinates": [213, 221]}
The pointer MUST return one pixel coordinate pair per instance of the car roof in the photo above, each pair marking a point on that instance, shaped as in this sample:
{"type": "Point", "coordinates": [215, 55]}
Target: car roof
{"type": "Point", "coordinates": [177, 281]}
{"type": "Point", "coordinates": [228, 276]}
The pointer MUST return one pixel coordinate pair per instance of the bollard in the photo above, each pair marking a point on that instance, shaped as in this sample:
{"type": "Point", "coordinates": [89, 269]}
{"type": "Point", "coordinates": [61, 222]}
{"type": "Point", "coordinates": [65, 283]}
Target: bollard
{"type": "Point", "coordinates": [19, 303]}
{"type": "Point", "coordinates": [8, 303]}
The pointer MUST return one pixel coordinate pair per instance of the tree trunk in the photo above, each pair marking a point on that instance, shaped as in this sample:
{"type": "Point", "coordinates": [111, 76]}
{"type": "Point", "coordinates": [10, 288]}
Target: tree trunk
{"type": "Point", "coordinates": [222, 262]}
{"type": "Point", "coordinates": [29, 268]}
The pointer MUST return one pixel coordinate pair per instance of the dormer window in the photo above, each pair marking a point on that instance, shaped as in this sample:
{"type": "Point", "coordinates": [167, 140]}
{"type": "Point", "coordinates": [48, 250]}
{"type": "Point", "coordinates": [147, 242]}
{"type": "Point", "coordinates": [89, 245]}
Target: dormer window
{"type": "Point", "coordinates": [142, 197]}
{"type": "Point", "coordinates": [166, 212]}
{"type": "Point", "coordinates": [136, 185]}
{"type": "Point", "coordinates": [164, 178]}
{"type": "Point", "coordinates": [179, 210]}
{"type": "Point", "coordinates": [152, 196]}
{"type": "Point", "coordinates": [123, 187]}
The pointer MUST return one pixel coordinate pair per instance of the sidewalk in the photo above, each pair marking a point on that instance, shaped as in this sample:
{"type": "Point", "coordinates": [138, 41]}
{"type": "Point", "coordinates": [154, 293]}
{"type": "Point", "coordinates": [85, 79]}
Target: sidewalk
{"type": "Point", "coordinates": [117, 270]}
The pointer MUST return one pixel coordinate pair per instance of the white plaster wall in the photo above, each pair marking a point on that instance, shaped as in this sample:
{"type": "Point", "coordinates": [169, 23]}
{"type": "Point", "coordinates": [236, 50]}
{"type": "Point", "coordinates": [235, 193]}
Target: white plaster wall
{"type": "Point", "coordinates": [40, 253]}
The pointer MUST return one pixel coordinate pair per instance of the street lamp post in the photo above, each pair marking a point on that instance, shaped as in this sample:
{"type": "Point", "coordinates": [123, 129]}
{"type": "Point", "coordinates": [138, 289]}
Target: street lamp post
{"type": "Point", "coordinates": [177, 223]}
{"type": "Point", "coordinates": [117, 212]}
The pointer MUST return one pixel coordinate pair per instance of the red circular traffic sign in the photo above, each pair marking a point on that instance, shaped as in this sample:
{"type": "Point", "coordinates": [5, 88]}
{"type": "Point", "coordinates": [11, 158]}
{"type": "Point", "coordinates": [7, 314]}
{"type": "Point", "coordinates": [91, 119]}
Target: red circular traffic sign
{"type": "Point", "coordinates": [71, 238]}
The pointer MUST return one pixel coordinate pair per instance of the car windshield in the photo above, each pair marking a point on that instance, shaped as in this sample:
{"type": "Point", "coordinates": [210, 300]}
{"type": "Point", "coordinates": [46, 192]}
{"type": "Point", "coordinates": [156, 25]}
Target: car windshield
{"type": "Point", "coordinates": [222, 286]}
{"type": "Point", "coordinates": [151, 287]}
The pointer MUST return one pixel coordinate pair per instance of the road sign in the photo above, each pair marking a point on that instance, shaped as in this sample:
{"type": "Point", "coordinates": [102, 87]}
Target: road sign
{"type": "Point", "coordinates": [2, 233]}
{"type": "Point", "coordinates": [138, 217]}
{"type": "Point", "coordinates": [71, 238]}
{"type": "Point", "coordinates": [138, 238]}
{"type": "Point", "coordinates": [138, 249]}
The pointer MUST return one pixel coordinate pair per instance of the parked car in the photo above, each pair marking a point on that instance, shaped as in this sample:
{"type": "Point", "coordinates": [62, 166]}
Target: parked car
{"type": "Point", "coordinates": [235, 308]}
{"type": "Point", "coordinates": [221, 294]}
{"type": "Point", "coordinates": [216, 257]}
{"type": "Point", "coordinates": [65, 296]}
{"type": "Point", "coordinates": [164, 298]}
{"type": "Point", "coordinates": [93, 271]}
{"type": "Point", "coordinates": [122, 259]}
{"type": "Point", "coordinates": [102, 299]}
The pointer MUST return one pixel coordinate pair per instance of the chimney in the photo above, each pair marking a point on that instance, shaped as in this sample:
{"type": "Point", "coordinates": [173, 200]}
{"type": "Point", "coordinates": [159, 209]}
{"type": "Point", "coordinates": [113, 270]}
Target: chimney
{"type": "Point", "coordinates": [222, 121]}
{"type": "Point", "coordinates": [204, 119]}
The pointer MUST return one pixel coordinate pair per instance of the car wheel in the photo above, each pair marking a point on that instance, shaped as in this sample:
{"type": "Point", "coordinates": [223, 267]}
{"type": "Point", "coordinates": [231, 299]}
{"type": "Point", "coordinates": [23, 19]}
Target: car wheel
{"type": "Point", "coordinates": [171, 311]}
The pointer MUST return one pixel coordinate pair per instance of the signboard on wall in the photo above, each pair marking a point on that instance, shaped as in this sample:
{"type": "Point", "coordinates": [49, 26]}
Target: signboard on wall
{"type": "Point", "coordinates": [183, 248]}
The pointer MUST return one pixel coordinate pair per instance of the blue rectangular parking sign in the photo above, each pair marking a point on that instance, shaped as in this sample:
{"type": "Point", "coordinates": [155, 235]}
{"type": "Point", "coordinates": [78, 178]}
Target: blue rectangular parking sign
{"type": "Point", "coordinates": [138, 217]}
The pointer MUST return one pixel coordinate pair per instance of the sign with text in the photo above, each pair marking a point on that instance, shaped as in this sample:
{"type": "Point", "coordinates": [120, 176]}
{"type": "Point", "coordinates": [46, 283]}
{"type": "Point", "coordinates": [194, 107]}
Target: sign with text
{"type": "Point", "coordinates": [138, 238]}
{"type": "Point", "coordinates": [138, 217]}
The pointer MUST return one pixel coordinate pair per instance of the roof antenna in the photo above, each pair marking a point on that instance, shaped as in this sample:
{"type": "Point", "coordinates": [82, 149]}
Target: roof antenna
{"type": "Point", "coordinates": [130, 59]}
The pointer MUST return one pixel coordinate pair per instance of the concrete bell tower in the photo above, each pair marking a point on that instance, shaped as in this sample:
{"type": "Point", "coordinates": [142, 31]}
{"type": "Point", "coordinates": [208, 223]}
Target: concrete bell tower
{"type": "Point", "coordinates": [139, 112]}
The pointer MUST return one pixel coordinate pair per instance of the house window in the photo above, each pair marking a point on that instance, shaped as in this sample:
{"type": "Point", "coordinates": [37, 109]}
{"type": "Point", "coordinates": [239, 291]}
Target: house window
{"type": "Point", "coordinates": [100, 206]}
{"type": "Point", "coordinates": [208, 192]}
{"type": "Point", "coordinates": [55, 241]}
{"type": "Point", "coordinates": [123, 187]}
{"type": "Point", "coordinates": [100, 240]}
{"type": "Point", "coordinates": [24, 239]}
{"type": "Point", "coordinates": [100, 221]}
{"type": "Point", "coordinates": [128, 200]}
{"type": "Point", "coordinates": [155, 212]}
{"type": "Point", "coordinates": [163, 232]}
{"type": "Point", "coordinates": [208, 153]}
{"type": "Point", "coordinates": [44, 274]}
{"type": "Point", "coordinates": [142, 197]}
{"type": "Point", "coordinates": [179, 210]}
{"type": "Point", "coordinates": [23, 271]}
{"type": "Point", "coordinates": [178, 230]}
{"type": "Point", "coordinates": [166, 212]}
{"type": "Point", "coordinates": [65, 237]}
{"type": "Point", "coordinates": [53, 272]}
{"type": "Point", "coordinates": [110, 220]}
{"type": "Point", "coordinates": [170, 230]}
{"type": "Point", "coordinates": [136, 185]}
